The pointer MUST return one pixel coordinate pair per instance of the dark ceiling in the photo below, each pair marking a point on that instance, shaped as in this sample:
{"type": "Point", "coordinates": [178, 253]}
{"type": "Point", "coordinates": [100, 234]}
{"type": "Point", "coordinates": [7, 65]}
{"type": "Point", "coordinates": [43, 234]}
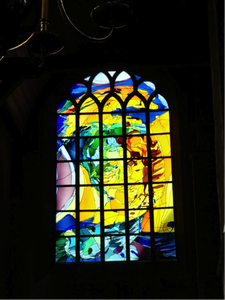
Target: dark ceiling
{"type": "Point", "coordinates": [159, 32]}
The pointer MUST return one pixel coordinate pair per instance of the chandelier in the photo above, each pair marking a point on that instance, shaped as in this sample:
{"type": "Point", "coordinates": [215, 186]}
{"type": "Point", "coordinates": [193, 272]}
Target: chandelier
{"type": "Point", "coordinates": [109, 16]}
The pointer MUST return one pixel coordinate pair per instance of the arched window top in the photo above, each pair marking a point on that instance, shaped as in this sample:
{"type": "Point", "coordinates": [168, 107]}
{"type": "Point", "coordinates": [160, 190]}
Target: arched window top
{"type": "Point", "coordinates": [89, 106]}
{"type": "Point", "coordinates": [159, 102]}
{"type": "Point", "coordinates": [112, 105]}
{"type": "Point", "coordinates": [100, 80]}
{"type": "Point", "coordinates": [78, 91]}
{"type": "Point", "coordinates": [135, 103]}
{"type": "Point", "coordinates": [146, 88]}
{"type": "Point", "coordinates": [121, 84]}
{"type": "Point", "coordinates": [114, 180]}
{"type": "Point", "coordinates": [66, 107]}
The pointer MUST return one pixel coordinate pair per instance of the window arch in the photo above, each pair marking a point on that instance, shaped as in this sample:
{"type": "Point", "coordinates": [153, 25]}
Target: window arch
{"type": "Point", "coordinates": [114, 188]}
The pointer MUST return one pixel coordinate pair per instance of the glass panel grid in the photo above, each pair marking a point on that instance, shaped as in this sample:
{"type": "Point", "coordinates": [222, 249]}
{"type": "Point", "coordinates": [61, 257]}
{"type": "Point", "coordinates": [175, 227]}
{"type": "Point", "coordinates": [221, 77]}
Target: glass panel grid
{"type": "Point", "coordinates": [118, 193]}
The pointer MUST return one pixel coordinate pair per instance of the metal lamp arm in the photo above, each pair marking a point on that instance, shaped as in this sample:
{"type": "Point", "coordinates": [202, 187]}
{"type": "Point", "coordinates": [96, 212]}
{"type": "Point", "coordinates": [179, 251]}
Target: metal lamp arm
{"type": "Point", "coordinates": [94, 39]}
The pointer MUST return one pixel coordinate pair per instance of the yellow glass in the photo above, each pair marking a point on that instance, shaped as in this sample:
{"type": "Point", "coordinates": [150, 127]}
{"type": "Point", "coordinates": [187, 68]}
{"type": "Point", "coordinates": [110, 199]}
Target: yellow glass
{"type": "Point", "coordinates": [89, 198]}
{"type": "Point", "coordinates": [161, 170]}
{"type": "Point", "coordinates": [137, 170]}
{"type": "Point", "coordinates": [137, 146]}
{"type": "Point", "coordinates": [89, 105]}
{"type": "Point", "coordinates": [111, 105]}
{"type": "Point", "coordinates": [138, 196]}
{"type": "Point", "coordinates": [113, 172]}
{"type": "Point", "coordinates": [161, 123]}
{"type": "Point", "coordinates": [90, 123]}
{"type": "Point", "coordinates": [164, 220]}
{"type": "Point", "coordinates": [160, 145]}
{"type": "Point", "coordinates": [162, 195]}
{"type": "Point", "coordinates": [116, 195]}
{"type": "Point", "coordinates": [113, 217]}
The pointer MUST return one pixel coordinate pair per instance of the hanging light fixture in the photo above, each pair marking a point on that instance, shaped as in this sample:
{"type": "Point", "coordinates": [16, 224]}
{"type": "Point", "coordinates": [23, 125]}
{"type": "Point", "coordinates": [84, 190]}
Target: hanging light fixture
{"type": "Point", "coordinates": [18, 20]}
{"type": "Point", "coordinates": [112, 12]}
{"type": "Point", "coordinates": [109, 16]}
{"type": "Point", "coordinates": [44, 43]}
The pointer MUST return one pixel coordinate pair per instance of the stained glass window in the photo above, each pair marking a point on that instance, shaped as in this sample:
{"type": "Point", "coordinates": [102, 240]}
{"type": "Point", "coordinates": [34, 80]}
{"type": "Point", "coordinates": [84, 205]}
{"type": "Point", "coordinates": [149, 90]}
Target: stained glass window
{"type": "Point", "coordinates": [114, 186]}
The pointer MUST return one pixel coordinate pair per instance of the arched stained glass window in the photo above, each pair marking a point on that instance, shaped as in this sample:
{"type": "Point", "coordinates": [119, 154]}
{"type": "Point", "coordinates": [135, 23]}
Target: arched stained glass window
{"type": "Point", "coordinates": [114, 188]}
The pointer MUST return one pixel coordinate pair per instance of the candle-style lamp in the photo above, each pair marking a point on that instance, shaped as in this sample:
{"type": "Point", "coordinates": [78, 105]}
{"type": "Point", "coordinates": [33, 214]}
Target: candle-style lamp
{"type": "Point", "coordinates": [44, 42]}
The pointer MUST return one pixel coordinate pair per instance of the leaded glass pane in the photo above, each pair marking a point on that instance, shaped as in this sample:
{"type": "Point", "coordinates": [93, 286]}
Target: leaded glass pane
{"type": "Point", "coordinates": [65, 250]}
{"type": "Point", "coordinates": [135, 123]}
{"type": "Point", "coordinates": [161, 169]}
{"type": "Point", "coordinates": [89, 125]}
{"type": "Point", "coordinates": [114, 221]}
{"type": "Point", "coordinates": [66, 223]}
{"type": "Point", "coordinates": [162, 195]}
{"type": "Point", "coordinates": [65, 173]}
{"type": "Point", "coordinates": [138, 196]}
{"type": "Point", "coordinates": [78, 91]}
{"type": "Point", "coordinates": [137, 147]}
{"type": "Point", "coordinates": [89, 105]}
{"type": "Point", "coordinates": [112, 148]}
{"type": "Point", "coordinates": [160, 145]}
{"type": "Point", "coordinates": [66, 125]}
{"type": "Point", "coordinates": [140, 247]}
{"type": "Point", "coordinates": [90, 249]}
{"type": "Point", "coordinates": [113, 172]}
{"type": "Point", "coordinates": [112, 105]}
{"type": "Point", "coordinates": [159, 102]}
{"type": "Point", "coordinates": [137, 171]}
{"type": "Point", "coordinates": [164, 220]}
{"type": "Point", "coordinates": [146, 88]}
{"type": "Point", "coordinates": [115, 248]}
{"type": "Point", "coordinates": [159, 122]}
{"type": "Point", "coordinates": [112, 124]}
{"type": "Point", "coordinates": [66, 107]}
{"type": "Point", "coordinates": [89, 224]}
{"type": "Point", "coordinates": [65, 198]}
{"type": "Point", "coordinates": [114, 197]}
{"type": "Point", "coordinates": [89, 197]}
{"type": "Point", "coordinates": [165, 246]}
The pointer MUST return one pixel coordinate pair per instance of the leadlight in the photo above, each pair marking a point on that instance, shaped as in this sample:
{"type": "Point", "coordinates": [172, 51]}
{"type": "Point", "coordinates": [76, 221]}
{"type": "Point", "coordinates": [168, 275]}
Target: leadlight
{"type": "Point", "coordinates": [114, 188]}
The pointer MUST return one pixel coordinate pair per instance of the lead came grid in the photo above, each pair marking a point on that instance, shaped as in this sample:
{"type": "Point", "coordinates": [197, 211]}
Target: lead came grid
{"type": "Point", "coordinates": [112, 209]}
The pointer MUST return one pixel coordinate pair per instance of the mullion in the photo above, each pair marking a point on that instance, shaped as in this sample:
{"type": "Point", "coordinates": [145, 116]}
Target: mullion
{"type": "Point", "coordinates": [125, 185]}
{"type": "Point", "coordinates": [77, 162]}
{"type": "Point", "coordinates": [115, 159]}
{"type": "Point", "coordinates": [151, 213]}
{"type": "Point", "coordinates": [102, 237]}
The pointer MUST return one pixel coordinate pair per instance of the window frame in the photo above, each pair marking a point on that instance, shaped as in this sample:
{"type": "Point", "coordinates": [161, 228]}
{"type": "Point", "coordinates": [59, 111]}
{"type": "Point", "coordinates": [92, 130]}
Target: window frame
{"type": "Point", "coordinates": [142, 79]}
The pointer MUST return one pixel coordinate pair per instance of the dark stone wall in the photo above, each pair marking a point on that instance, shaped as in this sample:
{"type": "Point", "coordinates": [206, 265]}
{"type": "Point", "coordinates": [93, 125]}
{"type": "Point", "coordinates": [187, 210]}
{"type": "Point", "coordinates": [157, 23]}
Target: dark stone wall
{"type": "Point", "coordinates": [216, 38]}
{"type": "Point", "coordinates": [29, 260]}
{"type": "Point", "coordinates": [27, 187]}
